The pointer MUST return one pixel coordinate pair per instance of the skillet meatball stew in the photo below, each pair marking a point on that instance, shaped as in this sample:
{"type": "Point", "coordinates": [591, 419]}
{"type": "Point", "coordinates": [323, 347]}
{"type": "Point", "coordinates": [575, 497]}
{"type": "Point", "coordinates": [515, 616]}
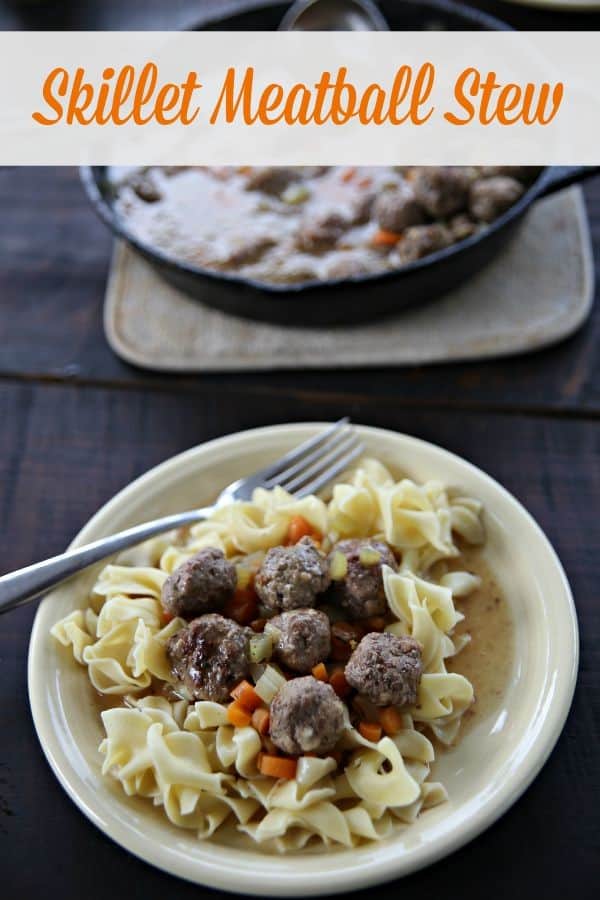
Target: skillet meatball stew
{"type": "Point", "coordinates": [290, 225]}
{"type": "Point", "coordinates": [318, 641]}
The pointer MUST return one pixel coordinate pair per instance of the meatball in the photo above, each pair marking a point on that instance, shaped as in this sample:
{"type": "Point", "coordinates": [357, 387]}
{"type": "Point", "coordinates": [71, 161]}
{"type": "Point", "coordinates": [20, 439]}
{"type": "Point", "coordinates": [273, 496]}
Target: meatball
{"type": "Point", "coordinates": [442, 191]}
{"type": "Point", "coordinates": [490, 197]}
{"type": "Point", "coordinates": [307, 716]}
{"type": "Point", "coordinates": [210, 656]}
{"type": "Point", "coordinates": [291, 577]}
{"type": "Point", "coordinates": [249, 250]}
{"type": "Point", "coordinates": [302, 638]}
{"type": "Point", "coordinates": [395, 210]}
{"type": "Point", "coordinates": [322, 232]}
{"type": "Point", "coordinates": [420, 241]}
{"type": "Point", "coordinates": [201, 584]}
{"type": "Point", "coordinates": [462, 227]}
{"type": "Point", "coordinates": [386, 669]}
{"type": "Point", "coordinates": [360, 591]}
{"type": "Point", "coordinates": [521, 173]}
{"type": "Point", "coordinates": [348, 265]}
{"type": "Point", "coordinates": [143, 183]}
{"type": "Point", "coordinates": [271, 179]}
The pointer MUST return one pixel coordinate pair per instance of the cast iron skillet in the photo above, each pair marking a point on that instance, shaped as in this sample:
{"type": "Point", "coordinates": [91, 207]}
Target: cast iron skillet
{"type": "Point", "coordinates": [366, 297]}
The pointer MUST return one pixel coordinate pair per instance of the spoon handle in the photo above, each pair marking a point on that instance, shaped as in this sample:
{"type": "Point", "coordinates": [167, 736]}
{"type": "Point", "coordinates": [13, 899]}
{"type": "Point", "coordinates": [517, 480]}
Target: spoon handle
{"type": "Point", "coordinates": [26, 584]}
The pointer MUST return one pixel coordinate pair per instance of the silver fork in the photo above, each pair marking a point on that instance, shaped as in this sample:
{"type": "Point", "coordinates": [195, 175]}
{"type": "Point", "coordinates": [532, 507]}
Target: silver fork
{"type": "Point", "coordinates": [305, 470]}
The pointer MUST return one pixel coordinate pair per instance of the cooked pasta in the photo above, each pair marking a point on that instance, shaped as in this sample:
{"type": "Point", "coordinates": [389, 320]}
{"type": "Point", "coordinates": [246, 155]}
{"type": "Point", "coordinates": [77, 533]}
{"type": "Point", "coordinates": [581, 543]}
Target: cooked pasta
{"type": "Point", "coordinates": [187, 756]}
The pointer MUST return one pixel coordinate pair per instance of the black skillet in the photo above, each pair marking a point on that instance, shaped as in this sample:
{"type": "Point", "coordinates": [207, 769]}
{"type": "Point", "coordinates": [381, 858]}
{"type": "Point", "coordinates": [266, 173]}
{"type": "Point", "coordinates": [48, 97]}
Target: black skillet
{"type": "Point", "coordinates": [370, 296]}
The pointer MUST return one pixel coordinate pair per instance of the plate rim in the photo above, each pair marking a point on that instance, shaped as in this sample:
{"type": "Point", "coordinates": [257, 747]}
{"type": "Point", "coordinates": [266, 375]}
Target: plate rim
{"type": "Point", "coordinates": [298, 883]}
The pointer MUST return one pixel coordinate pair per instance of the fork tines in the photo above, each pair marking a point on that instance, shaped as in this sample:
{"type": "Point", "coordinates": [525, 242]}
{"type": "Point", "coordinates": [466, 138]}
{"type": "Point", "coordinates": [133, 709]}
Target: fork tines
{"type": "Point", "coordinates": [316, 462]}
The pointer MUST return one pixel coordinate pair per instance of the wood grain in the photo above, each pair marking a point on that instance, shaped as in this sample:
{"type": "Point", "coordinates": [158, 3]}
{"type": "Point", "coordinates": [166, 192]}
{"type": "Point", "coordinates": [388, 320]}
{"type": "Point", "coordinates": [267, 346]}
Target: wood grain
{"type": "Point", "coordinates": [68, 449]}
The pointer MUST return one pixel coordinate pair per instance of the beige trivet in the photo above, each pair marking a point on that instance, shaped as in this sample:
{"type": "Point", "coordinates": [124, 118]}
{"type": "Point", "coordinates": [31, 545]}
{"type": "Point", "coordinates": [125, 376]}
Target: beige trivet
{"type": "Point", "coordinates": [538, 291]}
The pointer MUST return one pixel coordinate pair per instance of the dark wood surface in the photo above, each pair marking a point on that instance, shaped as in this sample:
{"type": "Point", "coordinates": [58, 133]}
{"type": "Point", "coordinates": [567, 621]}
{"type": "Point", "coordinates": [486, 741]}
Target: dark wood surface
{"type": "Point", "coordinates": [76, 425]}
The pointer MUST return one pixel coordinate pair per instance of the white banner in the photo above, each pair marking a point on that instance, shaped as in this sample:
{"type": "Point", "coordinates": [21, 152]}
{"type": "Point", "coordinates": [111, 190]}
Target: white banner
{"type": "Point", "coordinates": [429, 98]}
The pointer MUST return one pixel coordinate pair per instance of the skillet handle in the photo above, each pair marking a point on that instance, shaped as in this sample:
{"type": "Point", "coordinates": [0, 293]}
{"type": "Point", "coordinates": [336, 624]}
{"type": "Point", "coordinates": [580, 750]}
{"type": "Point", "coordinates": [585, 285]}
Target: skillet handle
{"type": "Point", "coordinates": [558, 177]}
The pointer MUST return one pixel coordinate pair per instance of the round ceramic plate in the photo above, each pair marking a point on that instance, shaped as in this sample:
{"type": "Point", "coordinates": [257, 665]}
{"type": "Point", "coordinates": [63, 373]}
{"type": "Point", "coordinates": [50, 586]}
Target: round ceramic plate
{"type": "Point", "coordinates": [484, 774]}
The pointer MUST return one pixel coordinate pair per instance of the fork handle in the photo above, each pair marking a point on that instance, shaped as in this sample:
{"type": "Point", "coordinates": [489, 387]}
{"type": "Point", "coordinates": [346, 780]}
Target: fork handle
{"type": "Point", "coordinates": [26, 584]}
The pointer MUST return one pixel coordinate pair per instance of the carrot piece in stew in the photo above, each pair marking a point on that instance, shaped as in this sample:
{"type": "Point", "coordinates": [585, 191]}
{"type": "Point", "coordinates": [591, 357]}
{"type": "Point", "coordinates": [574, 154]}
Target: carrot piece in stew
{"type": "Point", "coordinates": [320, 672]}
{"type": "Point", "coordinates": [299, 528]}
{"type": "Point", "coordinates": [390, 720]}
{"type": "Point", "coordinates": [383, 238]}
{"type": "Point", "coordinates": [245, 694]}
{"type": "Point", "coordinates": [278, 766]}
{"type": "Point", "coordinates": [371, 731]}
{"type": "Point", "coordinates": [238, 715]}
{"type": "Point", "coordinates": [260, 720]}
{"type": "Point", "coordinates": [338, 682]}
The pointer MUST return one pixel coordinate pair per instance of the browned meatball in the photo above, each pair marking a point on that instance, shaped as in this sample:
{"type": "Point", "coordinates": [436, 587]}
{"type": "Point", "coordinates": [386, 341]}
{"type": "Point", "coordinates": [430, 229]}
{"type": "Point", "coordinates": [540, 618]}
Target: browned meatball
{"type": "Point", "coordinates": [250, 250]}
{"type": "Point", "coordinates": [420, 241]}
{"type": "Point", "coordinates": [291, 577]}
{"type": "Point", "coordinates": [348, 265]}
{"type": "Point", "coordinates": [201, 584]}
{"type": "Point", "coordinates": [302, 638]}
{"type": "Point", "coordinates": [271, 179]}
{"type": "Point", "coordinates": [386, 669]}
{"type": "Point", "coordinates": [397, 209]}
{"type": "Point", "coordinates": [322, 232]}
{"type": "Point", "coordinates": [490, 197]}
{"type": "Point", "coordinates": [521, 173]}
{"type": "Point", "coordinates": [145, 186]}
{"type": "Point", "coordinates": [360, 591]}
{"type": "Point", "coordinates": [307, 716]}
{"type": "Point", "coordinates": [442, 191]}
{"type": "Point", "coordinates": [462, 227]}
{"type": "Point", "coordinates": [210, 656]}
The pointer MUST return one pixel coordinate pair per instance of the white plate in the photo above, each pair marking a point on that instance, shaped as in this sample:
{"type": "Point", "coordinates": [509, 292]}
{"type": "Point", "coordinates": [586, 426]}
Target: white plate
{"type": "Point", "coordinates": [484, 775]}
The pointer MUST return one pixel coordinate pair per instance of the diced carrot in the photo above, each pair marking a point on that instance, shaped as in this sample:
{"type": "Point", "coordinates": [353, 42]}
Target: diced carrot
{"type": "Point", "coordinates": [383, 238]}
{"type": "Point", "coordinates": [349, 174]}
{"type": "Point", "coordinates": [278, 766]}
{"type": "Point", "coordinates": [375, 623]}
{"type": "Point", "coordinates": [260, 720]}
{"type": "Point", "coordinates": [390, 720]}
{"type": "Point", "coordinates": [167, 617]}
{"type": "Point", "coordinates": [371, 731]}
{"type": "Point", "coordinates": [320, 672]}
{"type": "Point", "coordinates": [242, 607]}
{"type": "Point", "coordinates": [365, 182]}
{"type": "Point", "coordinates": [338, 682]}
{"type": "Point", "coordinates": [246, 696]}
{"type": "Point", "coordinates": [258, 625]}
{"type": "Point", "coordinates": [299, 528]}
{"type": "Point", "coordinates": [238, 715]}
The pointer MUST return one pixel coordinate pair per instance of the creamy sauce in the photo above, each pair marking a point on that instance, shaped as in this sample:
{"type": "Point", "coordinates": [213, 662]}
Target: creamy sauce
{"type": "Point", "coordinates": [286, 225]}
{"type": "Point", "coordinates": [487, 660]}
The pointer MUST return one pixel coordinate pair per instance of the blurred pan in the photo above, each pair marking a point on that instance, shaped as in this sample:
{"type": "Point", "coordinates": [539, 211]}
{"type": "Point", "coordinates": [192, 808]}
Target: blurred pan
{"type": "Point", "coordinates": [349, 300]}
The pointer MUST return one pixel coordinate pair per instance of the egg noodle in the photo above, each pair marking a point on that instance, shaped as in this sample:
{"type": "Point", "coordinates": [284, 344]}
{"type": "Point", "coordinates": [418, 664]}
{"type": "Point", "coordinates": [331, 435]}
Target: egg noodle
{"type": "Point", "coordinates": [187, 758]}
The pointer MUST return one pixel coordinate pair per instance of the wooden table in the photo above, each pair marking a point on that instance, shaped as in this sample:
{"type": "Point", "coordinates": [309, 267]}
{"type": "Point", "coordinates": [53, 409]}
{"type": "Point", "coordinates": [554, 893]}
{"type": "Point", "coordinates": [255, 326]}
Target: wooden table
{"type": "Point", "coordinates": [76, 425]}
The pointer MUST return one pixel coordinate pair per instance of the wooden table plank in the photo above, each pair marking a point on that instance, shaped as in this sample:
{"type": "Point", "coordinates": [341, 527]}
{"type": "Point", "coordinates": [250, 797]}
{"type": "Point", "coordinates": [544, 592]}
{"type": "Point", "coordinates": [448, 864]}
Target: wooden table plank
{"type": "Point", "coordinates": [69, 449]}
{"type": "Point", "coordinates": [54, 256]}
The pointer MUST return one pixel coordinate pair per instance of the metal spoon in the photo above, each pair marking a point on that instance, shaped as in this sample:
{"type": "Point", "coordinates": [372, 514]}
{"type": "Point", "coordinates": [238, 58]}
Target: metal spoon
{"type": "Point", "coordinates": [333, 15]}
